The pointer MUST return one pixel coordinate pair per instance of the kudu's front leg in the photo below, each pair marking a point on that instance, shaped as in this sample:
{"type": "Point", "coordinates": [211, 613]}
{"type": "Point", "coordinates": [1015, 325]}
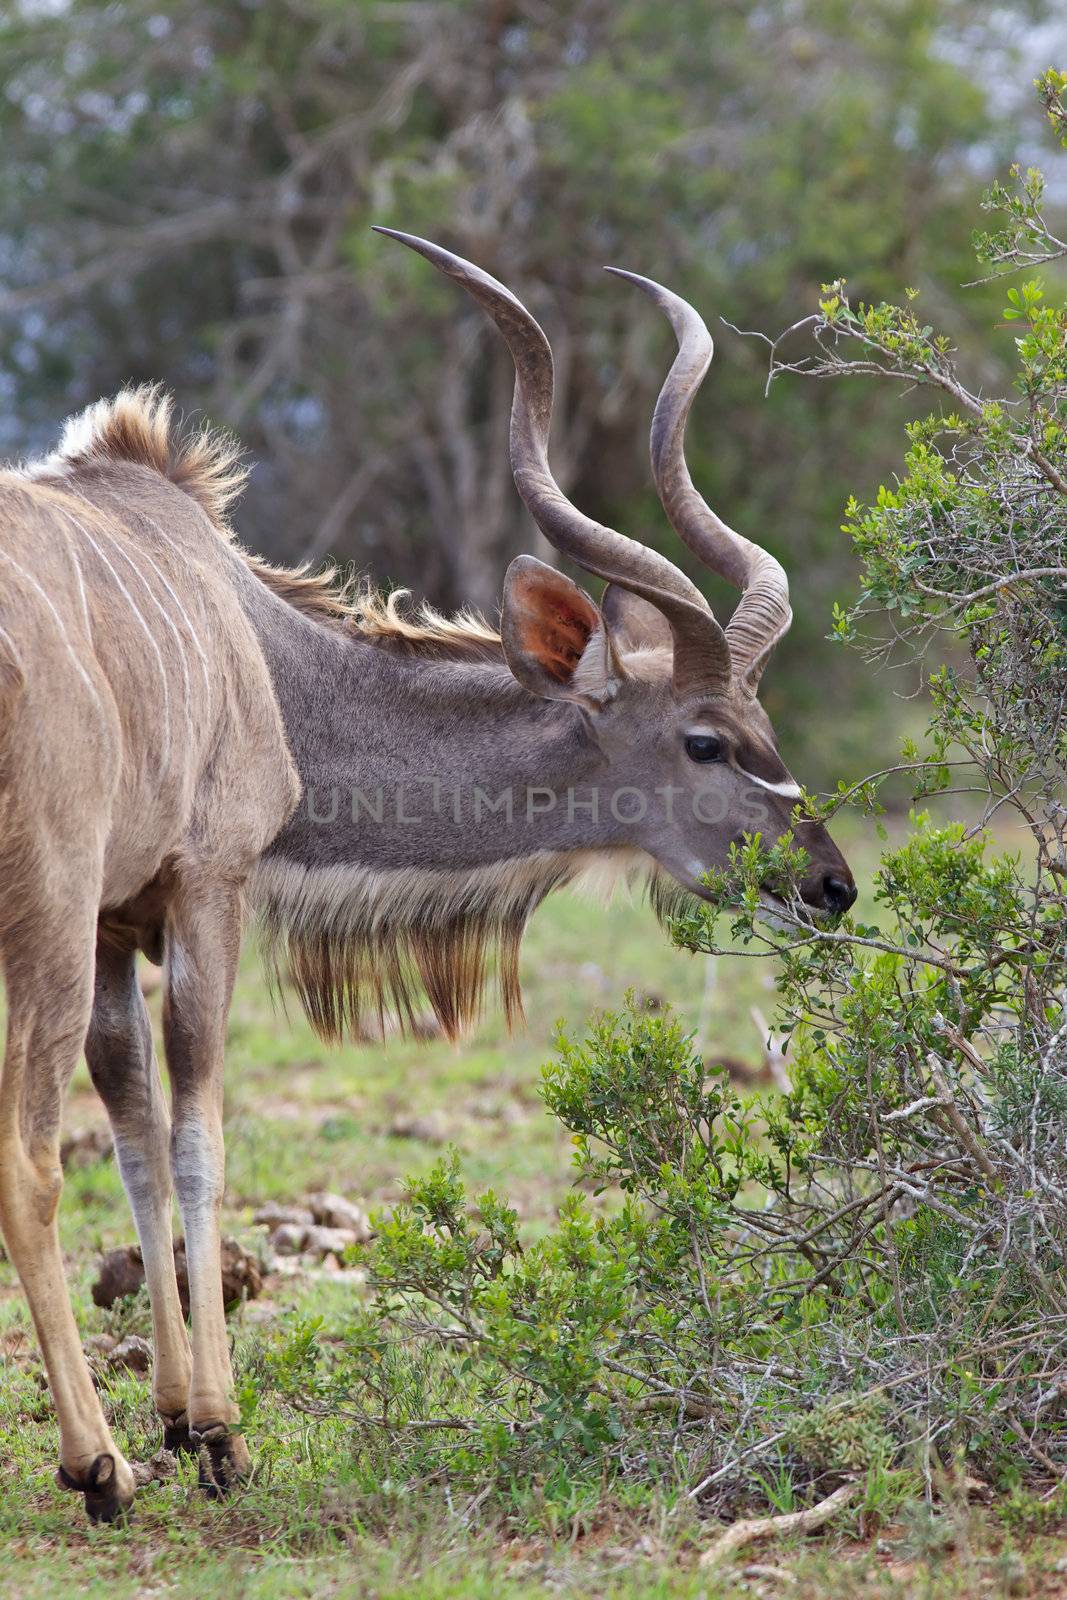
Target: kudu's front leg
{"type": "Point", "coordinates": [203, 940]}
{"type": "Point", "coordinates": [49, 987]}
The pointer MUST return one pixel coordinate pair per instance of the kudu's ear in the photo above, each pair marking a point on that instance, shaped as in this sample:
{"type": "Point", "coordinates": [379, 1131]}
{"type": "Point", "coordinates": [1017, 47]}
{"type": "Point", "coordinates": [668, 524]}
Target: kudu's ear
{"type": "Point", "coordinates": [637, 624]}
{"type": "Point", "coordinates": [555, 639]}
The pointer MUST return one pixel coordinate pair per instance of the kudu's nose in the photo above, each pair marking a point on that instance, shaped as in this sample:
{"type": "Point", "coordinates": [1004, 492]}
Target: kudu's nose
{"type": "Point", "coordinates": [838, 893]}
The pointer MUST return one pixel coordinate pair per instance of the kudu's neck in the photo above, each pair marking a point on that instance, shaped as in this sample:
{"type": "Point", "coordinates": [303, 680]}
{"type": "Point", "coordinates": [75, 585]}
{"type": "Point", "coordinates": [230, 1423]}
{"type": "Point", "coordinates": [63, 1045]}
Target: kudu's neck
{"type": "Point", "coordinates": [441, 804]}
{"type": "Point", "coordinates": [421, 761]}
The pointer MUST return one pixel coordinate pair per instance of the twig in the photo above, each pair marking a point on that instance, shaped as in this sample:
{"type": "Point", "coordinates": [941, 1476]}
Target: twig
{"type": "Point", "coordinates": [752, 1528]}
{"type": "Point", "coordinates": [963, 1133]}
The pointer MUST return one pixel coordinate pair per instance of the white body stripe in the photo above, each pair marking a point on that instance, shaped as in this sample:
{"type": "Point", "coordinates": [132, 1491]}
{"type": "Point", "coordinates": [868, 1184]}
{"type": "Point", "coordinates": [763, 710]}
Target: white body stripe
{"type": "Point", "coordinates": [164, 580]}
{"type": "Point", "coordinates": [81, 593]}
{"type": "Point", "coordinates": [6, 638]}
{"type": "Point", "coordinates": [197, 646]}
{"type": "Point", "coordinates": [32, 581]}
{"type": "Point", "coordinates": [145, 628]}
{"type": "Point", "coordinates": [182, 661]}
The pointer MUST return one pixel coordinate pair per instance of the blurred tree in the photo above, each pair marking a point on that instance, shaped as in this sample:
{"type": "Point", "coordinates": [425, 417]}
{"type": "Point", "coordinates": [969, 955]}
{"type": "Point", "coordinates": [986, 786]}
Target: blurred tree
{"type": "Point", "coordinates": [187, 191]}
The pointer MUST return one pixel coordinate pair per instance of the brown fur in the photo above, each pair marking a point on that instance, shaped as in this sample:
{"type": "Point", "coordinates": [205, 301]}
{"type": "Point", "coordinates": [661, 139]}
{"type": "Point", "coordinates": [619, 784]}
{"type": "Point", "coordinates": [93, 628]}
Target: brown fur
{"type": "Point", "coordinates": [421, 628]}
{"type": "Point", "coordinates": [359, 944]}
{"type": "Point", "coordinates": [337, 977]}
{"type": "Point", "coordinates": [386, 618]}
{"type": "Point", "coordinates": [322, 595]}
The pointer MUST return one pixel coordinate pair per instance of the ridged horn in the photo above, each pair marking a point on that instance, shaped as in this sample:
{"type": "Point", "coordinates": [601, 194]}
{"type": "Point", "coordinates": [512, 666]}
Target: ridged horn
{"type": "Point", "coordinates": [702, 663]}
{"type": "Point", "coordinates": [763, 614]}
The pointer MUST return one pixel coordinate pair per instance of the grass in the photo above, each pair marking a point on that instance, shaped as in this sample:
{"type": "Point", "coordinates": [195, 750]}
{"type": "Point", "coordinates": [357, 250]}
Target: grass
{"type": "Point", "coordinates": [323, 1517]}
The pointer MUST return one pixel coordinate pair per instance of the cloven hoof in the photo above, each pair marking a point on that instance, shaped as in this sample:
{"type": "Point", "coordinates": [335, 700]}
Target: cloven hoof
{"type": "Point", "coordinates": [177, 1437]}
{"type": "Point", "coordinates": [224, 1460]}
{"type": "Point", "coordinates": [107, 1486]}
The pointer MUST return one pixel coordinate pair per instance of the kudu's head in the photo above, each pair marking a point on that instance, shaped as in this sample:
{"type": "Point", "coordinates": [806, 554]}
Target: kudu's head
{"type": "Point", "coordinates": [668, 696]}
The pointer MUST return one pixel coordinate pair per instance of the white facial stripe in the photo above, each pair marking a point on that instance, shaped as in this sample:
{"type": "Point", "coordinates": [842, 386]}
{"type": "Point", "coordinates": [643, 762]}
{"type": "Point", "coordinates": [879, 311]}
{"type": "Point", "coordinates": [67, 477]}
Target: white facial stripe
{"type": "Point", "coordinates": [791, 790]}
{"type": "Point", "coordinates": [786, 786]}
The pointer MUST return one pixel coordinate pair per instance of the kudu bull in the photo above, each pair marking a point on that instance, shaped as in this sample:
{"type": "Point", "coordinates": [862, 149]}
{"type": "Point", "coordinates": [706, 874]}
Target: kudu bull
{"type": "Point", "coordinates": [177, 722]}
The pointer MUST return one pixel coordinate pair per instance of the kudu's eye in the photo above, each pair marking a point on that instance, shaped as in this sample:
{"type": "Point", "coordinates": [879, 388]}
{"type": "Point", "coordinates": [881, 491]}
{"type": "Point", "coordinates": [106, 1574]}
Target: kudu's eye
{"type": "Point", "coordinates": [705, 747]}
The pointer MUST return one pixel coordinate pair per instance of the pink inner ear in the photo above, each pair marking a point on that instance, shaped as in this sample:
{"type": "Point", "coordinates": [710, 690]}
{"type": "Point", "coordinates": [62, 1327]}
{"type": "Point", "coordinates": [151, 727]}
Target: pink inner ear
{"type": "Point", "coordinates": [556, 627]}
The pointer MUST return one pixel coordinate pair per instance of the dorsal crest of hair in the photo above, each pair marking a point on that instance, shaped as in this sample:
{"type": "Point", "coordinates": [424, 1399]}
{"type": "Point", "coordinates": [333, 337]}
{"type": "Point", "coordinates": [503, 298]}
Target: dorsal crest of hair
{"type": "Point", "coordinates": [419, 627]}
{"type": "Point", "coordinates": [138, 425]}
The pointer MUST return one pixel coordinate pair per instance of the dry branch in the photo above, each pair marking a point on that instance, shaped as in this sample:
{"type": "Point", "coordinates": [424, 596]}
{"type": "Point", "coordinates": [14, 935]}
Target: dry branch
{"type": "Point", "coordinates": [750, 1529]}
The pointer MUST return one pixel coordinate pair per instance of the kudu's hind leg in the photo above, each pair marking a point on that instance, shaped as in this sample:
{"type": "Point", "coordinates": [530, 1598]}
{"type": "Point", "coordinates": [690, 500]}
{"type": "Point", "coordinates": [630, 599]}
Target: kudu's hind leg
{"type": "Point", "coordinates": [123, 1066]}
{"type": "Point", "coordinates": [203, 941]}
{"type": "Point", "coordinates": [49, 988]}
